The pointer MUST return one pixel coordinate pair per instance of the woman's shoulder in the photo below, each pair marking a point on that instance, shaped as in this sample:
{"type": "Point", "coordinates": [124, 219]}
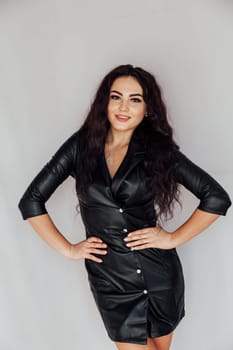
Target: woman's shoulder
{"type": "Point", "coordinates": [74, 141]}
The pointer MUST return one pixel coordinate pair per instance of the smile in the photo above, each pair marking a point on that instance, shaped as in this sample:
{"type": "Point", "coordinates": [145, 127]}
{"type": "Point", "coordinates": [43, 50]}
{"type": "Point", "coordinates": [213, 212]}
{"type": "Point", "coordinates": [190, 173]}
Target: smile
{"type": "Point", "coordinates": [122, 118]}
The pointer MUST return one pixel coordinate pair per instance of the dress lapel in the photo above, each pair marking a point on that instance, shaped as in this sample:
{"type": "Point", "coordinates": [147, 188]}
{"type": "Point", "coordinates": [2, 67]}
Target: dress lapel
{"type": "Point", "coordinates": [134, 155]}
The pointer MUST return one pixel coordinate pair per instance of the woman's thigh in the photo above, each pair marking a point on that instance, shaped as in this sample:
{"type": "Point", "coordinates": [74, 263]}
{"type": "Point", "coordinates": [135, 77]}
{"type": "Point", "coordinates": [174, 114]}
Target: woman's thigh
{"type": "Point", "coordinates": [164, 342]}
{"type": "Point", "coordinates": [129, 346]}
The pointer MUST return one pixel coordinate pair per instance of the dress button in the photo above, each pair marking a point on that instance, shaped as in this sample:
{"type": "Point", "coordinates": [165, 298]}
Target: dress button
{"type": "Point", "coordinates": [139, 270]}
{"type": "Point", "coordinates": [121, 210]}
{"type": "Point", "coordinates": [145, 291]}
{"type": "Point", "coordinates": [125, 230]}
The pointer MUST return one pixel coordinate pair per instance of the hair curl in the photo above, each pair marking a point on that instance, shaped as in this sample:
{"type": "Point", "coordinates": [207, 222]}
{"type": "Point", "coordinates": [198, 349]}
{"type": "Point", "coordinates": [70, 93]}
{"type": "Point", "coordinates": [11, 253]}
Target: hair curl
{"type": "Point", "coordinates": [157, 137]}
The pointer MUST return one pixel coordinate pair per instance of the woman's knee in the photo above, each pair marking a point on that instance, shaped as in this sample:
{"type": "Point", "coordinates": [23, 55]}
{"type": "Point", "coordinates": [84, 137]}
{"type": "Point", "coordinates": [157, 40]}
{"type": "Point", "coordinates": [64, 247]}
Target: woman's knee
{"type": "Point", "coordinates": [131, 346]}
{"type": "Point", "coordinates": [163, 342]}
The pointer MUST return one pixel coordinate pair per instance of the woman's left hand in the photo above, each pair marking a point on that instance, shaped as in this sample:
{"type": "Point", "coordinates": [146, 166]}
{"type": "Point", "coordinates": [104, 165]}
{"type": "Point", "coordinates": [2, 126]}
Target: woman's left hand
{"type": "Point", "coordinates": [150, 237]}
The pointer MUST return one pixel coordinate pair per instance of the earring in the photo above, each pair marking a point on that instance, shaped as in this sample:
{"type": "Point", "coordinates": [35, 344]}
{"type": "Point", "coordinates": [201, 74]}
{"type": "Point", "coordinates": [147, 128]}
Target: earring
{"type": "Point", "coordinates": [146, 115]}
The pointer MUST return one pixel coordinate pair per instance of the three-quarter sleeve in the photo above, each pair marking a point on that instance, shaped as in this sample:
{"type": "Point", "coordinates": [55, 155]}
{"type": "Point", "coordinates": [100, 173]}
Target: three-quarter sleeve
{"type": "Point", "coordinates": [61, 164]}
{"type": "Point", "coordinates": [213, 197]}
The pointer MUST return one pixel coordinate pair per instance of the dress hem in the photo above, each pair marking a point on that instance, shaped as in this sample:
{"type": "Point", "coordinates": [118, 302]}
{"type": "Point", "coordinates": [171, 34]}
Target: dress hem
{"type": "Point", "coordinates": [144, 342]}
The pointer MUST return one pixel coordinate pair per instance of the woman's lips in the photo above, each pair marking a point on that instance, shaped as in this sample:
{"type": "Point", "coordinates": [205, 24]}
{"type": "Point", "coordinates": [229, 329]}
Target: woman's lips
{"type": "Point", "coordinates": [122, 118]}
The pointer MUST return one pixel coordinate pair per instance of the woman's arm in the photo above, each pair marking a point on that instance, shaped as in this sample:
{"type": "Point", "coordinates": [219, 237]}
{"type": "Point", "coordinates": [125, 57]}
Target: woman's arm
{"type": "Point", "coordinates": [55, 171]}
{"type": "Point", "coordinates": [159, 238]}
{"type": "Point", "coordinates": [47, 230]}
{"type": "Point", "coordinates": [32, 204]}
{"type": "Point", "coordinates": [213, 197]}
{"type": "Point", "coordinates": [194, 225]}
{"type": "Point", "coordinates": [214, 201]}
{"type": "Point", "coordinates": [45, 227]}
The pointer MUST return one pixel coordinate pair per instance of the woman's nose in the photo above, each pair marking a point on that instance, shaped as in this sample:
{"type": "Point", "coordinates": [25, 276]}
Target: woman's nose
{"type": "Point", "coordinates": [124, 106]}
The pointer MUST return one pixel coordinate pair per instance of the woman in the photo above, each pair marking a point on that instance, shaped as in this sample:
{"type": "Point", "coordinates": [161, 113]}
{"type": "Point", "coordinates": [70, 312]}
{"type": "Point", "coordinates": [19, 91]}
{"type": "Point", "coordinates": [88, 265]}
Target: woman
{"type": "Point", "coordinates": [128, 170]}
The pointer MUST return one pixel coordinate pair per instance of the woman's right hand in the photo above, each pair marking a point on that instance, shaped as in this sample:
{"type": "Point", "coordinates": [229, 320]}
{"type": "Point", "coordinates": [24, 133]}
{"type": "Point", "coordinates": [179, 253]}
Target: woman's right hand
{"type": "Point", "coordinates": [87, 247]}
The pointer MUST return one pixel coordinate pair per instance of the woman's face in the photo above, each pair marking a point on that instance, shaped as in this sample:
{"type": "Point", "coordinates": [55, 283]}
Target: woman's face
{"type": "Point", "coordinates": [126, 106]}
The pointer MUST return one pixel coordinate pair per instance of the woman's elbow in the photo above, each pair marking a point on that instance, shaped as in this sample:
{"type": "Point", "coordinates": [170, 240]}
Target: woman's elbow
{"type": "Point", "coordinates": [216, 204]}
{"type": "Point", "coordinates": [30, 208]}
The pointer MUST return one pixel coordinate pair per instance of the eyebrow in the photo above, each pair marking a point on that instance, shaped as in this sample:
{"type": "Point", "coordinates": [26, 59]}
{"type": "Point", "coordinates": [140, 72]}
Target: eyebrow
{"type": "Point", "coordinates": [129, 95]}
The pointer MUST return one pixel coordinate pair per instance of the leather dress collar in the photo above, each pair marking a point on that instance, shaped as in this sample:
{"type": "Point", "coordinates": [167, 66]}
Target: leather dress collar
{"type": "Point", "coordinates": [134, 155]}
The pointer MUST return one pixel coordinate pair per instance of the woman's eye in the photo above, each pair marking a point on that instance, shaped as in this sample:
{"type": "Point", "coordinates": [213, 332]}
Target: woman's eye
{"type": "Point", "coordinates": [113, 97]}
{"type": "Point", "coordinates": [136, 100]}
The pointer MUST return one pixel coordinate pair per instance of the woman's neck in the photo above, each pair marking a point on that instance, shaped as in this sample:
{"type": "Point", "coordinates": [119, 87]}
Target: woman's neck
{"type": "Point", "coordinates": [119, 138]}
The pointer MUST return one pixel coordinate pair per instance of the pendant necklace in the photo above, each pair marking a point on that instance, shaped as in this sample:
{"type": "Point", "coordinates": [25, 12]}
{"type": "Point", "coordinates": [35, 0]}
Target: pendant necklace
{"type": "Point", "coordinates": [109, 159]}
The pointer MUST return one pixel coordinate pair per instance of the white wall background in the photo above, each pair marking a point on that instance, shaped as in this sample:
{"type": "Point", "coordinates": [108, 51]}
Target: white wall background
{"type": "Point", "coordinates": [53, 54]}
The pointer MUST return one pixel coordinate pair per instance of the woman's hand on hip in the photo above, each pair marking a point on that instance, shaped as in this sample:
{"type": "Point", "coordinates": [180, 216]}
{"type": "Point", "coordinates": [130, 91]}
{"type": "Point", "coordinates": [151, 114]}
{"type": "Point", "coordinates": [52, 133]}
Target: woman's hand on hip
{"type": "Point", "coordinates": [88, 247]}
{"type": "Point", "coordinates": [149, 237]}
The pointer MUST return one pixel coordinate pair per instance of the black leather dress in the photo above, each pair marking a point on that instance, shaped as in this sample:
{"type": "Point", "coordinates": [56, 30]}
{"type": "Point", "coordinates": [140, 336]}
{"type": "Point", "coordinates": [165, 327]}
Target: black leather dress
{"type": "Point", "coordinates": [138, 293]}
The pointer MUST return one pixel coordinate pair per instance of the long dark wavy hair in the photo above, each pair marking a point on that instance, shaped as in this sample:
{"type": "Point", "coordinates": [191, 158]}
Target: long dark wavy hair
{"type": "Point", "coordinates": [156, 132]}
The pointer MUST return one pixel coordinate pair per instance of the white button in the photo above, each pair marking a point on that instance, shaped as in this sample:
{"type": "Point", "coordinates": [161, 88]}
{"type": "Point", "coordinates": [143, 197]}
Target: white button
{"type": "Point", "coordinates": [145, 291]}
{"type": "Point", "coordinates": [121, 210]}
{"type": "Point", "coordinates": [139, 270]}
{"type": "Point", "coordinates": [125, 230]}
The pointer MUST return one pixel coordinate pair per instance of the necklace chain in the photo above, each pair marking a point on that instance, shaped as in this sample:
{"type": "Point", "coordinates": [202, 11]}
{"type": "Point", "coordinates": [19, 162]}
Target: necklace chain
{"type": "Point", "coordinates": [109, 158]}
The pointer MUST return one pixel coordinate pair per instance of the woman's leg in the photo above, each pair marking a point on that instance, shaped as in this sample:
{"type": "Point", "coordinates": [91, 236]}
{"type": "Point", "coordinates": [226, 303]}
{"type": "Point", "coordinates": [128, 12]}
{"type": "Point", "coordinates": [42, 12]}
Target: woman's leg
{"type": "Point", "coordinates": [129, 346]}
{"type": "Point", "coordinates": [164, 342]}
